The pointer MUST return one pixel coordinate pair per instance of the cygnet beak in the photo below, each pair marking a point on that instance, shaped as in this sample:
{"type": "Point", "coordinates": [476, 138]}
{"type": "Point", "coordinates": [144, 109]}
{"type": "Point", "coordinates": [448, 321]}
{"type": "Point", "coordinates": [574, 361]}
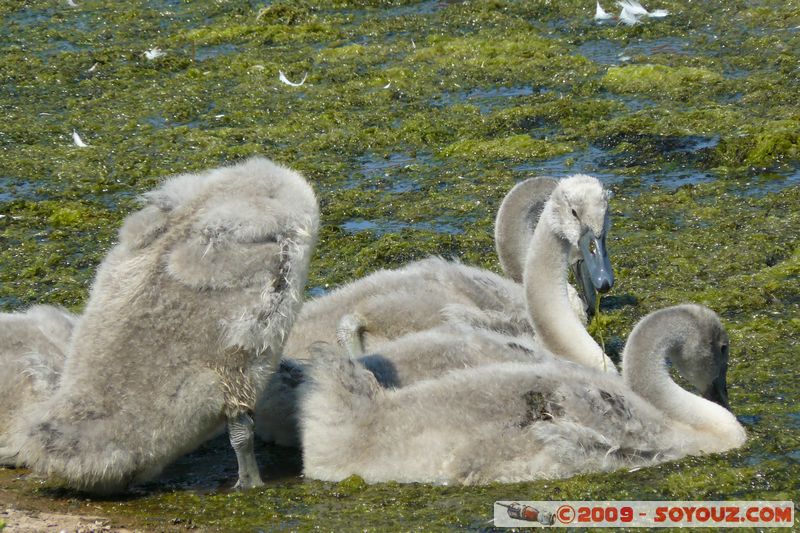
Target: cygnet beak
{"type": "Point", "coordinates": [596, 265]}
{"type": "Point", "coordinates": [717, 392]}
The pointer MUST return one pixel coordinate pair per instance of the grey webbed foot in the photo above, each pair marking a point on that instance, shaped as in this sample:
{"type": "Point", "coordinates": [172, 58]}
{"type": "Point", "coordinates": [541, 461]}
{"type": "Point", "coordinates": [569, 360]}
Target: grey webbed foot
{"type": "Point", "coordinates": [240, 431]}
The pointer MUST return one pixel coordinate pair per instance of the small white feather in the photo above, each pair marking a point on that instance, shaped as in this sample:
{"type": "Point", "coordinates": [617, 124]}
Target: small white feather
{"type": "Point", "coordinates": [627, 17]}
{"type": "Point", "coordinates": [77, 140]}
{"type": "Point", "coordinates": [633, 7]}
{"type": "Point", "coordinates": [282, 77]}
{"type": "Point", "coordinates": [154, 53]}
{"type": "Point", "coordinates": [601, 14]}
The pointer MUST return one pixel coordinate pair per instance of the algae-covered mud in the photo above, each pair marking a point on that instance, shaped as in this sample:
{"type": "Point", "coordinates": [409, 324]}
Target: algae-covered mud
{"type": "Point", "coordinates": [414, 120]}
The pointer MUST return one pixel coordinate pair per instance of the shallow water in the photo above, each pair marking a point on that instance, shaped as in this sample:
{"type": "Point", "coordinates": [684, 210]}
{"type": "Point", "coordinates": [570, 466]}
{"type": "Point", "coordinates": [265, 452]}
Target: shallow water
{"type": "Point", "coordinates": [692, 120]}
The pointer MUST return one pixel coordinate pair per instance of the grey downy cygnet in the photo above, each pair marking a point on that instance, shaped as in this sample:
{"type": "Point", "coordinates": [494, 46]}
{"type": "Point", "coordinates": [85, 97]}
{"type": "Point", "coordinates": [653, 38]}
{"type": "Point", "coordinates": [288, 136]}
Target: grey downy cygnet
{"type": "Point", "coordinates": [185, 321]}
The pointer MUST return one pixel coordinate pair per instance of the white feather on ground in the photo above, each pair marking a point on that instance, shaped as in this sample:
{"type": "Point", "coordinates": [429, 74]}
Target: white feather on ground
{"type": "Point", "coordinates": [154, 53]}
{"type": "Point", "coordinates": [282, 77]}
{"type": "Point", "coordinates": [601, 14]}
{"type": "Point", "coordinates": [76, 139]}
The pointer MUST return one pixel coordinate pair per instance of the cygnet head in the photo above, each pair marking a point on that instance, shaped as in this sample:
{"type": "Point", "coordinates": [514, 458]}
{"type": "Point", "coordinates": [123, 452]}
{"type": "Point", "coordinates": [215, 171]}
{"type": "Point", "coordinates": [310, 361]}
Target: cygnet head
{"type": "Point", "coordinates": [579, 215]}
{"type": "Point", "coordinates": [702, 357]}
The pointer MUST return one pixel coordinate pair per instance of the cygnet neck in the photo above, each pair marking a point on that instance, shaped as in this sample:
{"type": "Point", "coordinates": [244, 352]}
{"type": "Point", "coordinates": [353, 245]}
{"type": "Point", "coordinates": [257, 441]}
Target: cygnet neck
{"type": "Point", "coordinates": [650, 344]}
{"type": "Point", "coordinates": [549, 310]}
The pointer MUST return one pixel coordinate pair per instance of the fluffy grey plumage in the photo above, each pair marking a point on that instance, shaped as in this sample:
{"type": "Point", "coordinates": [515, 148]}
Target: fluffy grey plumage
{"type": "Point", "coordinates": [392, 303]}
{"type": "Point", "coordinates": [396, 302]}
{"type": "Point", "coordinates": [33, 346]}
{"type": "Point", "coordinates": [511, 422]}
{"type": "Point", "coordinates": [185, 321]}
{"type": "Point", "coordinates": [389, 304]}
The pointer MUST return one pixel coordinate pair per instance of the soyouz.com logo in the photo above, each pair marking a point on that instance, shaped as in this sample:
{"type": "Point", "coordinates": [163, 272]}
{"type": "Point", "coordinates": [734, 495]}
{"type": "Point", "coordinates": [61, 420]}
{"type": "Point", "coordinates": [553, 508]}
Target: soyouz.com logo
{"type": "Point", "coordinates": [510, 513]}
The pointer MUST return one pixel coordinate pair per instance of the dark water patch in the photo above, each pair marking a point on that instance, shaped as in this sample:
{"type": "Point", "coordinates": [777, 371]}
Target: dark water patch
{"type": "Point", "coordinates": [206, 469]}
{"type": "Point", "coordinates": [115, 201]}
{"type": "Point", "coordinates": [759, 458]}
{"type": "Point", "coordinates": [317, 291]}
{"type": "Point", "coordinates": [769, 182]}
{"type": "Point", "coordinates": [10, 303]}
{"type": "Point", "coordinates": [28, 17]}
{"type": "Point", "coordinates": [611, 169]}
{"type": "Point", "coordinates": [487, 99]}
{"type": "Point", "coordinates": [666, 45]}
{"type": "Point", "coordinates": [17, 189]}
{"type": "Point", "coordinates": [202, 53]}
{"type": "Point", "coordinates": [670, 153]}
{"type": "Point", "coordinates": [213, 467]}
{"type": "Point", "coordinates": [607, 52]}
{"type": "Point", "coordinates": [736, 73]}
{"type": "Point", "coordinates": [663, 143]}
{"type": "Point", "coordinates": [62, 46]}
{"type": "Point", "coordinates": [395, 173]}
{"type": "Point", "coordinates": [625, 167]}
{"type": "Point", "coordinates": [601, 51]}
{"type": "Point", "coordinates": [639, 234]}
{"type": "Point", "coordinates": [618, 301]}
{"type": "Point", "coordinates": [383, 227]}
{"type": "Point", "coordinates": [157, 121]}
{"type": "Point", "coordinates": [637, 104]}
{"type": "Point", "coordinates": [749, 420]}
{"type": "Point", "coordinates": [411, 9]}
{"type": "Point", "coordinates": [794, 420]}
{"type": "Point", "coordinates": [586, 161]}
{"type": "Point", "coordinates": [429, 7]}
{"type": "Point", "coordinates": [189, 124]}
{"type": "Point", "coordinates": [401, 186]}
{"type": "Point", "coordinates": [677, 178]}
{"type": "Point", "coordinates": [373, 166]}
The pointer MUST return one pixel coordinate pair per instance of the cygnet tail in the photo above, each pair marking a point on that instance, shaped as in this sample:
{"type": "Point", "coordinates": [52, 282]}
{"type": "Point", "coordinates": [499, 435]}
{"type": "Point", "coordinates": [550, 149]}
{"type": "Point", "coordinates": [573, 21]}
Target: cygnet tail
{"type": "Point", "coordinates": [339, 375]}
{"type": "Point", "coordinates": [336, 411]}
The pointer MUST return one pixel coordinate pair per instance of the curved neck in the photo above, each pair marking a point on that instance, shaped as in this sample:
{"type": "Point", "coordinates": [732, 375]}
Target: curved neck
{"type": "Point", "coordinates": [516, 221]}
{"type": "Point", "coordinates": [549, 310]}
{"type": "Point", "coordinates": [645, 372]}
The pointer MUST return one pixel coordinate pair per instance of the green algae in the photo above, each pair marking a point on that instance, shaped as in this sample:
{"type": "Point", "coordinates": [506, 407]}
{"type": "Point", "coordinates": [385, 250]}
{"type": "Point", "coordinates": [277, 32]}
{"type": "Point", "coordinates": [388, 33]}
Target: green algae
{"type": "Point", "coordinates": [503, 58]}
{"type": "Point", "coordinates": [731, 244]}
{"type": "Point", "coordinates": [661, 80]}
{"type": "Point", "coordinates": [515, 148]}
{"type": "Point", "coordinates": [778, 142]}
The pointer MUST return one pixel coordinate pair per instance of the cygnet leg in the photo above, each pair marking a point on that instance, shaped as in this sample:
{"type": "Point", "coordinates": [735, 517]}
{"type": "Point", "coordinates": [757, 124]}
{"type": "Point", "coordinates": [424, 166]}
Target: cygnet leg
{"type": "Point", "coordinates": [240, 431]}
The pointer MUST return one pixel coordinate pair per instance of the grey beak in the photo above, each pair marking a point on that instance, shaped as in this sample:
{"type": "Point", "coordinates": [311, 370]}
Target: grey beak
{"type": "Point", "coordinates": [596, 261]}
{"type": "Point", "coordinates": [585, 286]}
{"type": "Point", "coordinates": [717, 392]}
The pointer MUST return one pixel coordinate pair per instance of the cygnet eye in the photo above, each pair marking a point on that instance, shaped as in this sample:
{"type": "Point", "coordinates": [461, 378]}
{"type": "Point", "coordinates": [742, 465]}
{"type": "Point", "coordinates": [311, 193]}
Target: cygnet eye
{"type": "Point", "coordinates": [574, 213]}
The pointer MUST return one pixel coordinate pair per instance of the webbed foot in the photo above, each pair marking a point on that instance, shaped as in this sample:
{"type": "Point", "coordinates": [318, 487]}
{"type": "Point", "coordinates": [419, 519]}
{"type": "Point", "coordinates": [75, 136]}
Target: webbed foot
{"type": "Point", "coordinates": [240, 431]}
